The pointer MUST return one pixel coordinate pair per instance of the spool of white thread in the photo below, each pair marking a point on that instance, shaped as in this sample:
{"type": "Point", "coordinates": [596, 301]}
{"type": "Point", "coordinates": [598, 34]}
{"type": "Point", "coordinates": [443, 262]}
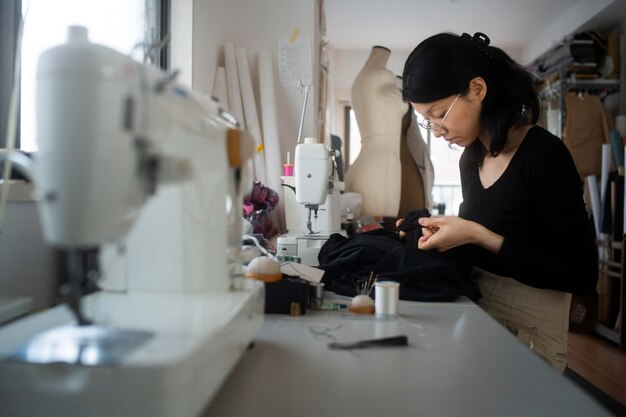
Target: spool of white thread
{"type": "Point", "coordinates": [387, 298]}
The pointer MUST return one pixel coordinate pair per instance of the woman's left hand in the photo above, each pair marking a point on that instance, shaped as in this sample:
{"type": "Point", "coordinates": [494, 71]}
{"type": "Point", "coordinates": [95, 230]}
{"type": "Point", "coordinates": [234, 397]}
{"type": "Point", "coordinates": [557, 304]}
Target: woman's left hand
{"type": "Point", "coordinates": [447, 232]}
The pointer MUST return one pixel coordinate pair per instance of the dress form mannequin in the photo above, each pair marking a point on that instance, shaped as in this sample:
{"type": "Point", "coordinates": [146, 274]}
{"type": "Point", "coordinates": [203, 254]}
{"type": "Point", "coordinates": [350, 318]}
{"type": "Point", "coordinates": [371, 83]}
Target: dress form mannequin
{"type": "Point", "coordinates": [377, 103]}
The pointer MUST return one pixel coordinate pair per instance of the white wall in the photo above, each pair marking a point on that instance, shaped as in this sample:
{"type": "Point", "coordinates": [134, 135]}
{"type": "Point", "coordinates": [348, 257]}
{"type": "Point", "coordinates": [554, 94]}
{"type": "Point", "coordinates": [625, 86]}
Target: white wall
{"type": "Point", "coordinates": [201, 27]}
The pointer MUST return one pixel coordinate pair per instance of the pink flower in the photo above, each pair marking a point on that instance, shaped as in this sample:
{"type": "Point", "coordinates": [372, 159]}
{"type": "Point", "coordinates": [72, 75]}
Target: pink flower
{"type": "Point", "coordinates": [256, 207]}
{"type": "Point", "coordinates": [248, 208]}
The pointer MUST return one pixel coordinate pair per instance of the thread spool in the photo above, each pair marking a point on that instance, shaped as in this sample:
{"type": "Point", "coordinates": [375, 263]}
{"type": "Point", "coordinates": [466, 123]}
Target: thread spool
{"type": "Point", "coordinates": [295, 309]}
{"type": "Point", "coordinates": [316, 295]}
{"type": "Point", "coordinates": [288, 170]}
{"type": "Point", "coordinates": [387, 298]}
{"type": "Point", "coordinates": [288, 167]}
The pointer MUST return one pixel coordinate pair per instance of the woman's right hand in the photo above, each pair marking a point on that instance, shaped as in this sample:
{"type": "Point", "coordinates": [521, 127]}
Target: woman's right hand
{"type": "Point", "coordinates": [447, 232]}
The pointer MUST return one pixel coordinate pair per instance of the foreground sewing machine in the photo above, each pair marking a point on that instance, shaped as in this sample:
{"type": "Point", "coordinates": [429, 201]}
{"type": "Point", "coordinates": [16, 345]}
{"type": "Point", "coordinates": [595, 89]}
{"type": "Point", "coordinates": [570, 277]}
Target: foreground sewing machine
{"type": "Point", "coordinates": [312, 202]}
{"type": "Point", "coordinates": [140, 180]}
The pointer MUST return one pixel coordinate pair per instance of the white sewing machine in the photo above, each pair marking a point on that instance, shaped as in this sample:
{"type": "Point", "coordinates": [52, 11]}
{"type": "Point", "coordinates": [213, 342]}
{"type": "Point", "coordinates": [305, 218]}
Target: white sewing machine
{"type": "Point", "coordinates": [149, 172]}
{"type": "Point", "coordinates": [312, 202]}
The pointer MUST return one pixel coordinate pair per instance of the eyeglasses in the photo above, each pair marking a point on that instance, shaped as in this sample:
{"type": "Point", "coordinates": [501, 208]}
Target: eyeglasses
{"type": "Point", "coordinates": [430, 126]}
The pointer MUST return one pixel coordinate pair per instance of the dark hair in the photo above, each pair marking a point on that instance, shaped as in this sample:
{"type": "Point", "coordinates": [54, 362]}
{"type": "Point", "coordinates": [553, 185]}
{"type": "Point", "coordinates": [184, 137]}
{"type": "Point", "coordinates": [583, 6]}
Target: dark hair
{"type": "Point", "coordinates": [444, 64]}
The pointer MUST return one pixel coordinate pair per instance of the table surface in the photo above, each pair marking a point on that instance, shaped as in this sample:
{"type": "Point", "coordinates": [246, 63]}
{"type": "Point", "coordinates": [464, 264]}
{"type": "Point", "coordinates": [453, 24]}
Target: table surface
{"type": "Point", "coordinates": [459, 361]}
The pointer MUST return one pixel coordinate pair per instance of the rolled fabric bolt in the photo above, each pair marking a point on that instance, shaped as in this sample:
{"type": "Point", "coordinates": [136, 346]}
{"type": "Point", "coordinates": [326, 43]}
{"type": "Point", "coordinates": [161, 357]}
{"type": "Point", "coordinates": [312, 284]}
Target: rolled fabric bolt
{"type": "Point", "coordinates": [387, 297]}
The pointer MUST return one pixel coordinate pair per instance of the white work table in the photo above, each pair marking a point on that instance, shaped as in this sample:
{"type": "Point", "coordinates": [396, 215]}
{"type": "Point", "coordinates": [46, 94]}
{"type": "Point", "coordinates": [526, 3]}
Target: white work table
{"type": "Point", "coordinates": [459, 362]}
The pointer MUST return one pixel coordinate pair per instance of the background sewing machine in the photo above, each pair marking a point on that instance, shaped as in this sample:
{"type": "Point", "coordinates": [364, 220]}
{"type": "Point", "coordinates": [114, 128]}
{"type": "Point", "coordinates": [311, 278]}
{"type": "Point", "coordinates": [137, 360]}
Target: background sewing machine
{"type": "Point", "coordinates": [312, 201]}
{"type": "Point", "coordinates": [140, 179]}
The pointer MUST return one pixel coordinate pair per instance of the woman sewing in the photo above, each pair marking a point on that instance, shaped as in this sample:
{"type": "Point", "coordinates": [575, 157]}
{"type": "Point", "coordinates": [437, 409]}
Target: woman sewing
{"type": "Point", "coordinates": [523, 218]}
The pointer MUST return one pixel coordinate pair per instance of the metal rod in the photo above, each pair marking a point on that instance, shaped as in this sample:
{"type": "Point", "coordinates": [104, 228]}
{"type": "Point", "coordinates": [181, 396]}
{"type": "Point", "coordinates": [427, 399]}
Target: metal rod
{"type": "Point", "coordinates": [306, 96]}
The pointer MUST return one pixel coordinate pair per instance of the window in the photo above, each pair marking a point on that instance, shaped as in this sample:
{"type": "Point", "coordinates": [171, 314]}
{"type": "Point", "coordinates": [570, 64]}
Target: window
{"type": "Point", "coordinates": [124, 25]}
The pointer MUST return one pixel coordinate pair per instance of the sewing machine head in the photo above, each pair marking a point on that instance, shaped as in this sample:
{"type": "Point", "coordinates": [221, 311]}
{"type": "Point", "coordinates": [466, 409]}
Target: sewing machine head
{"type": "Point", "coordinates": [314, 213]}
{"type": "Point", "coordinates": [314, 175]}
{"type": "Point", "coordinates": [113, 132]}
{"type": "Point", "coordinates": [92, 171]}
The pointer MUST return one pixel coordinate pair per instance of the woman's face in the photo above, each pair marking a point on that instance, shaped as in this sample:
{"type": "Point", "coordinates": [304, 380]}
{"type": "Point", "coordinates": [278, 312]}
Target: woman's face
{"type": "Point", "coordinates": [455, 118]}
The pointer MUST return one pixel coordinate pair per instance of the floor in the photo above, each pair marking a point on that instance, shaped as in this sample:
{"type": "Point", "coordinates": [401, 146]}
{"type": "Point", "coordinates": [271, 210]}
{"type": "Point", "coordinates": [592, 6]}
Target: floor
{"type": "Point", "coordinates": [600, 367]}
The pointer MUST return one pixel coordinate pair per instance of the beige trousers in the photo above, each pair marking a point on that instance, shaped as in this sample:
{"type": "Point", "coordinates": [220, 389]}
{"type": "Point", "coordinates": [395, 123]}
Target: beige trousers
{"type": "Point", "coordinates": [538, 317]}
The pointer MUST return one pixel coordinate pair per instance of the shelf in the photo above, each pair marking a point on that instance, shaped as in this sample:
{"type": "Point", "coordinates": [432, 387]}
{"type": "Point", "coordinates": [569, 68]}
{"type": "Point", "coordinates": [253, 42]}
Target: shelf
{"type": "Point", "coordinates": [565, 85]}
{"type": "Point", "coordinates": [598, 84]}
{"type": "Point", "coordinates": [558, 89]}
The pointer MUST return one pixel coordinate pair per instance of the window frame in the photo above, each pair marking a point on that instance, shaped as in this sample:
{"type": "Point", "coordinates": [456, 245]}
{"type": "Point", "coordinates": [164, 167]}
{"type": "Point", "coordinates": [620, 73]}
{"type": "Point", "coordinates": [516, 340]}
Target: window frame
{"type": "Point", "coordinates": [10, 17]}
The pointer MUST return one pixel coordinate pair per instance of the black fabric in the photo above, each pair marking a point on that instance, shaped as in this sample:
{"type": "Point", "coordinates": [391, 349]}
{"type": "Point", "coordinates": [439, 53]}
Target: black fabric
{"type": "Point", "coordinates": [423, 276]}
{"type": "Point", "coordinates": [412, 228]}
{"type": "Point", "coordinates": [537, 205]}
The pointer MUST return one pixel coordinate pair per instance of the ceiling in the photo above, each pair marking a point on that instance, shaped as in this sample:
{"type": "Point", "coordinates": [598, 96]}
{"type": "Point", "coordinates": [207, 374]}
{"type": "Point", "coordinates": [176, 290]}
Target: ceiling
{"type": "Point", "coordinates": [523, 28]}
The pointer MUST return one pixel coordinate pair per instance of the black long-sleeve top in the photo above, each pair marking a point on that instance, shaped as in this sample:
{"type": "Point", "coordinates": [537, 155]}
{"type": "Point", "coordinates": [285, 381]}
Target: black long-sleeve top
{"type": "Point", "coordinates": [537, 205]}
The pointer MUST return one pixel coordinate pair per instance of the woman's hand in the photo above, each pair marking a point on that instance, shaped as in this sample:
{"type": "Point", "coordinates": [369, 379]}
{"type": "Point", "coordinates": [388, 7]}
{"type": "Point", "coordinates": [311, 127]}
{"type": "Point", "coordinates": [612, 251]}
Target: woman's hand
{"type": "Point", "coordinates": [447, 232]}
{"type": "Point", "coordinates": [398, 223]}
